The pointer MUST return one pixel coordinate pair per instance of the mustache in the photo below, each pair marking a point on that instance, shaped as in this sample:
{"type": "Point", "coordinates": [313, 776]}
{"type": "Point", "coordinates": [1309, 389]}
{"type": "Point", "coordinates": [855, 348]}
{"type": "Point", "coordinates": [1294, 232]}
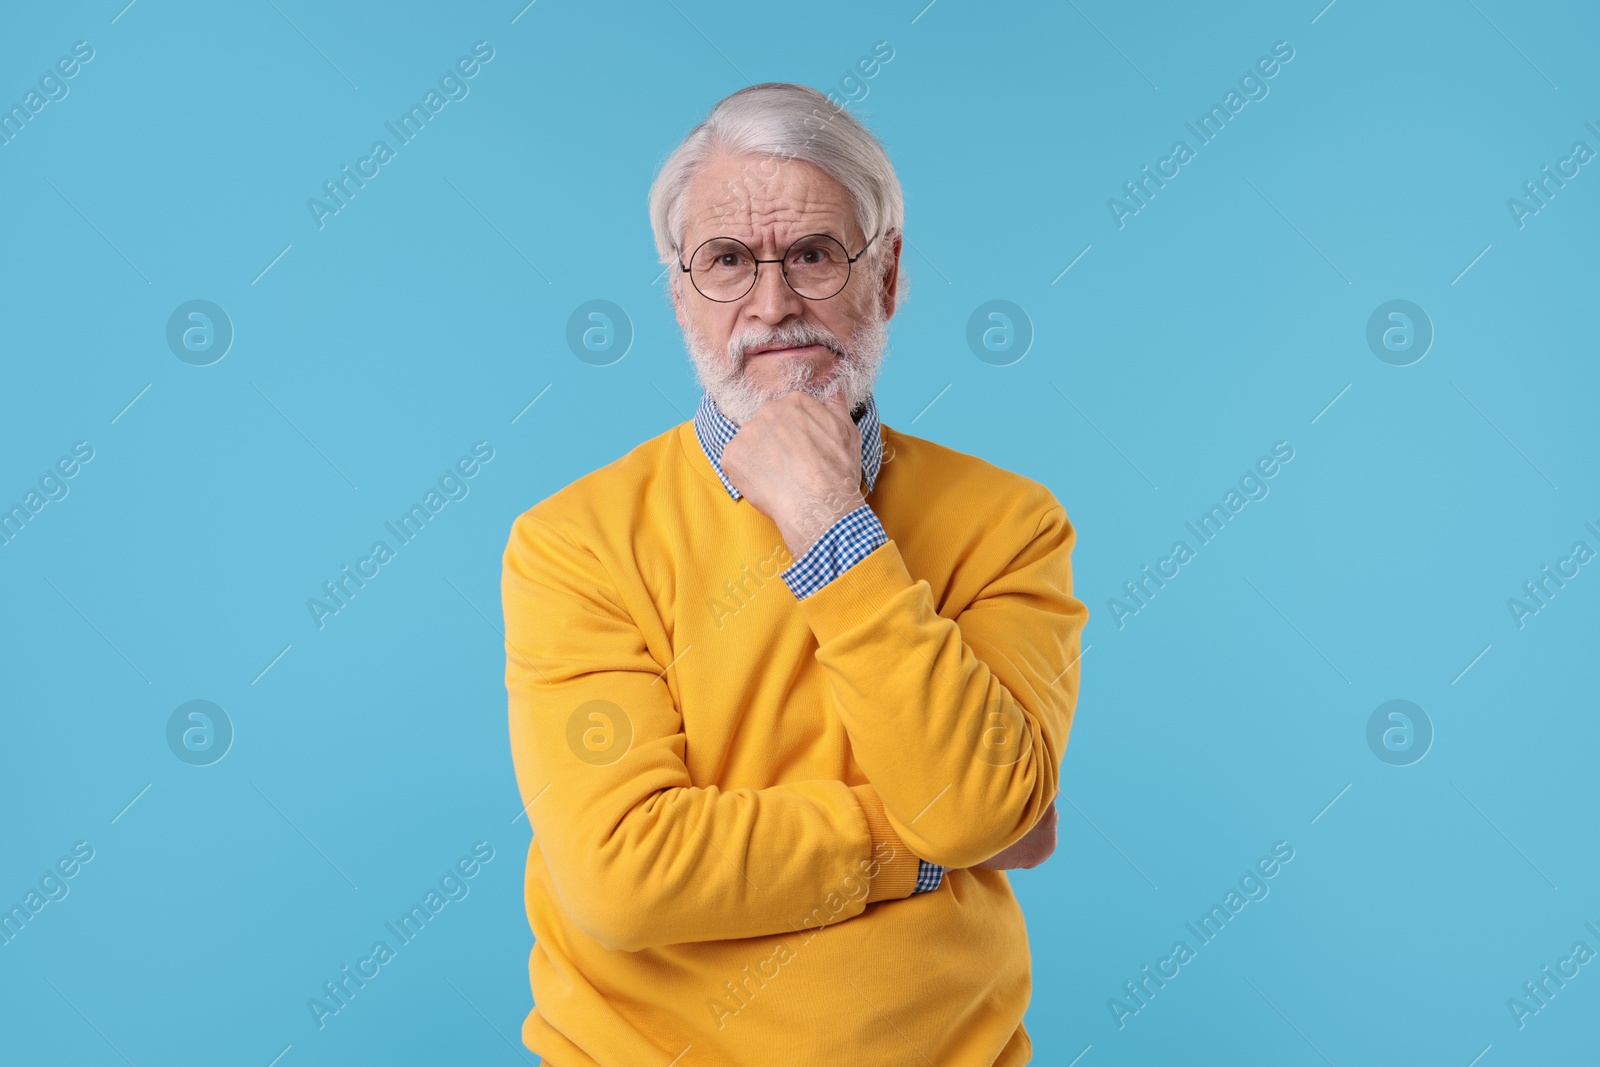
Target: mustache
{"type": "Point", "coordinates": [795, 335]}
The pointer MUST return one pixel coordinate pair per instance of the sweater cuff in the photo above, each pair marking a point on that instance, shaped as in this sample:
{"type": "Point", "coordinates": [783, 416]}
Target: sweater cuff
{"type": "Point", "coordinates": [897, 867]}
{"type": "Point", "coordinates": [857, 597]}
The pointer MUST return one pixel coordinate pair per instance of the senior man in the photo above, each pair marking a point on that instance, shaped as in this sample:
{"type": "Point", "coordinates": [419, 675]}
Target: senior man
{"type": "Point", "coordinates": [789, 689]}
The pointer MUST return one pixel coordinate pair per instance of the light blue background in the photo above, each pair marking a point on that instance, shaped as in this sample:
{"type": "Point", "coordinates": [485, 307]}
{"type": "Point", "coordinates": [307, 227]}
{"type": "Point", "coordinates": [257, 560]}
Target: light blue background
{"type": "Point", "coordinates": [425, 316]}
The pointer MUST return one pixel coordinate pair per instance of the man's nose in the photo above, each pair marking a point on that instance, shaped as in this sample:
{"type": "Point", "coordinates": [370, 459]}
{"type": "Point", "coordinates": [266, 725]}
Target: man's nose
{"type": "Point", "coordinates": [772, 301]}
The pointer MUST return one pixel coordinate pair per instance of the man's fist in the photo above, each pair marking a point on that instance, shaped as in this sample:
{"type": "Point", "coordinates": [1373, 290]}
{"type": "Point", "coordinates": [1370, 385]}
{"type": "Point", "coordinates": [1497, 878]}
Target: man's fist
{"type": "Point", "coordinates": [798, 461]}
{"type": "Point", "coordinates": [1033, 849]}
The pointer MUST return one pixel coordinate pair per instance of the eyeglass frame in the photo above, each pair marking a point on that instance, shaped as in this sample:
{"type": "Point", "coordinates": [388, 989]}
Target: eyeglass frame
{"type": "Point", "coordinates": [755, 275]}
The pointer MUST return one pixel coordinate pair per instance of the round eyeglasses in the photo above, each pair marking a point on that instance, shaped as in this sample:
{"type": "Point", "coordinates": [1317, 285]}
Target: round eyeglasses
{"type": "Point", "coordinates": [815, 266]}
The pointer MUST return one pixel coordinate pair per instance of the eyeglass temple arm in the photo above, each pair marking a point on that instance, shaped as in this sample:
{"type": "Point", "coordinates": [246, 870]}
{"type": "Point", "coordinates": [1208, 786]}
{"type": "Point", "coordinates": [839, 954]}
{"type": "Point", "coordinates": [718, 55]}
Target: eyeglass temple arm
{"type": "Point", "coordinates": [864, 247]}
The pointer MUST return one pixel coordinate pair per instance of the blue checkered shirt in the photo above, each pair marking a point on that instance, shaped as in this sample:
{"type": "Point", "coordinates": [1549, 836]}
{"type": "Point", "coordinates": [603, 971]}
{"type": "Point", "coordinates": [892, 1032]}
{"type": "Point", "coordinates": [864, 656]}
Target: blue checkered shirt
{"type": "Point", "coordinates": [846, 543]}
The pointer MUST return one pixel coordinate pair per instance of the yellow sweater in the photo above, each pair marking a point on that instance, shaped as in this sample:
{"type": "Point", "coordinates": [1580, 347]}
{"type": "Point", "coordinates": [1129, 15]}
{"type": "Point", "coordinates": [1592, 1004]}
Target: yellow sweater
{"type": "Point", "coordinates": [730, 789]}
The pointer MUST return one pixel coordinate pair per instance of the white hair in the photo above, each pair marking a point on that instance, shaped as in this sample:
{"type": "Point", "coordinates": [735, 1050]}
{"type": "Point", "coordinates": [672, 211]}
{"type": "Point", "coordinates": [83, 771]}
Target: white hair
{"type": "Point", "coordinates": [789, 122]}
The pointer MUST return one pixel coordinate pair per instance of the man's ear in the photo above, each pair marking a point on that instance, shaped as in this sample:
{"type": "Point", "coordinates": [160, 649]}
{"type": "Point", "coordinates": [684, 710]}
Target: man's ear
{"type": "Point", "coordinates": [890, 278]}
{"type": "Point", "coordinates": [676, 292]}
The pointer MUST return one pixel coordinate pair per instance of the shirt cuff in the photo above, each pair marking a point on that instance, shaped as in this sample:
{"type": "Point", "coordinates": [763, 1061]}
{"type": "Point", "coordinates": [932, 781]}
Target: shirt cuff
{"type": "Point", "coordinates": [846, 543]}
{"type": "Point", "coordinates": [929, 877]}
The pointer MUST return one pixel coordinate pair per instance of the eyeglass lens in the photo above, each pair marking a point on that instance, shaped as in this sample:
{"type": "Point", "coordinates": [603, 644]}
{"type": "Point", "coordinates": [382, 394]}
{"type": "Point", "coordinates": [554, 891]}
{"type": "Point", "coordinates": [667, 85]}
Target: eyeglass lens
{"type": "Point", "coordinates": [816, 267]}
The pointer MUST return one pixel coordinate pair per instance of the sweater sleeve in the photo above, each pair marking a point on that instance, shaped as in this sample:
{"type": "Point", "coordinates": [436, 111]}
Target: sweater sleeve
{"type": "Point", "coordinates": [640, 857]}
{"type": "Point", "coordinates": [959, 723]}
{"type": "Point", "coordinates": [844, 544]}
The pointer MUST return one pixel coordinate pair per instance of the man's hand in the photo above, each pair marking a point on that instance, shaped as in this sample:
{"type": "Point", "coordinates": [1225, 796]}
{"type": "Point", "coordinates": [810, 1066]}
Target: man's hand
{"type": "Point", "coordinates": [1034, 848]}
{"type": "Point", "coordinates": [798, 461]}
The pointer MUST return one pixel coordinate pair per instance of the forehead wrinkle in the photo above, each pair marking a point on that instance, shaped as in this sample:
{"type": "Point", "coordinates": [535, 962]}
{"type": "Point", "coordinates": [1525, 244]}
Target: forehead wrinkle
{"type": "Point", "coordinates": [767, 214]}
{"type": "Point", "coordinates": [770, 225]}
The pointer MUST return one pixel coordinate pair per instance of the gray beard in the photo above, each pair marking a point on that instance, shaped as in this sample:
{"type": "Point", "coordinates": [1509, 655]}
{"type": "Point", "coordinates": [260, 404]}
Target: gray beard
{"type": "Point", "coordinates": [854, 371]}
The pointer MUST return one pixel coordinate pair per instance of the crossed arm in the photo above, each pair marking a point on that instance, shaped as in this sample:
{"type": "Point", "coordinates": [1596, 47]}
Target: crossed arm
{"type": "Point", "coordinates": [958, 724]}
